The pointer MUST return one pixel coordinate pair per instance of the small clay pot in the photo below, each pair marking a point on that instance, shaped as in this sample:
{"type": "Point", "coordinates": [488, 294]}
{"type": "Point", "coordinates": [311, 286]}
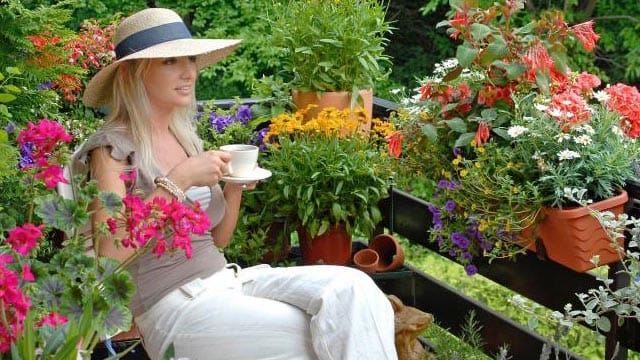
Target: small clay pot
{"type": "Point", "coordinates": [390, 253]}
{"type": "Point", "coordinates": [366, 260]}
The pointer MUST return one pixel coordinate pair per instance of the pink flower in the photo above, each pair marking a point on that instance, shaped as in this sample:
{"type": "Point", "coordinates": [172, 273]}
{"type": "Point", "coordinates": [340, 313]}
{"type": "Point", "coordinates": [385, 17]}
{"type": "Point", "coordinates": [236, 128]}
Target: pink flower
{"type": "Point", "coordinates": [569, 108]}
{"type": "Point", "coordinates": [129, 177]}
{"type": "Point", "coordinates": [52, 175]}
{"type": "Point", "coordinates": [24, 238]}
{"type": "Point", "coordinates": [53, 319]}
{"type": "Point", "coordinates": [27, 275]}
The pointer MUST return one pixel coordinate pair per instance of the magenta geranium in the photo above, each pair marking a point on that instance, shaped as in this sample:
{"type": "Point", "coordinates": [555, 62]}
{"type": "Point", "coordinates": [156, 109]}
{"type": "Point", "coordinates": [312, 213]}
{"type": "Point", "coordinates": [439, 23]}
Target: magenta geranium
{"type": "Point", "coordinates": [40, 299]}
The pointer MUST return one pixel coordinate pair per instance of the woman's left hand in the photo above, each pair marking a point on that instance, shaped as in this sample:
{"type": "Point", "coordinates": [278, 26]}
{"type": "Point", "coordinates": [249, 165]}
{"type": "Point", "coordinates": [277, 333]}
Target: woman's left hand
{"type": "Point", "coordinates": [241, 187]}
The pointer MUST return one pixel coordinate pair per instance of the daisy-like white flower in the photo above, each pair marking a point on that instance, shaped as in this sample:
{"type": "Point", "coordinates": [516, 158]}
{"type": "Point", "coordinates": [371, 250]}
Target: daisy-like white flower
{"type": "Point", "coordinates": [602, 96]}
{"type": "Point", "coordinates": [583, 139]}
{"type": "Point", "coordinates": [537, 155]}
{"type": "Point", "coordinates": [585, 128]}
{"type": "Point", "coordinates": [617, 131]}
{"type": "Point", "coordinates": [568, 155]}
{"type": "Point", "coordinates": [562, 137]}
{"type": "Point", "coordinates": [517, 130]}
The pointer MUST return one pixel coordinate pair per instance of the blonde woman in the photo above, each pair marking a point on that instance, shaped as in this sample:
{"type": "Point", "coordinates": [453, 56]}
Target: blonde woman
{"type": "Point", "coordinates": [206, 308]}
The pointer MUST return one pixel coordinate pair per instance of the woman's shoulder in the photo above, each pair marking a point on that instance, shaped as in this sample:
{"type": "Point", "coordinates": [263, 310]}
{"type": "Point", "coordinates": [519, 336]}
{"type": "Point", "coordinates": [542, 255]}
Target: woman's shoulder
{"type": "Point", "coordinates": [117, 140]}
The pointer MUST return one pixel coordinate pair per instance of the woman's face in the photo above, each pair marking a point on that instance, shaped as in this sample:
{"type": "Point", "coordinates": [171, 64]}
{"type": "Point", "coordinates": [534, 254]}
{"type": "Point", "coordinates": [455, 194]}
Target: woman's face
{"type": "Point", "coordinates": [170, 82]}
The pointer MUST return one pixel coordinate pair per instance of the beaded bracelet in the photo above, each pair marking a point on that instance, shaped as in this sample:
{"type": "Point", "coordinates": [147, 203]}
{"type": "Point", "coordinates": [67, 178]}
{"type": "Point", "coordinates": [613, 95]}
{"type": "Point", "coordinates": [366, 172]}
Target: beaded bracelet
{"type": "Point", "coordinates": [170, 187]}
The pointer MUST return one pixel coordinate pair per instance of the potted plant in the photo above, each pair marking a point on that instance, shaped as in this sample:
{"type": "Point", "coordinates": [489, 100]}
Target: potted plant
{"type": "Point", "coordinates": [332, 175]}
{"type": "Point", "coordinates": [518, 135]}
{"type": "Point", "coordinates": [334, 47]}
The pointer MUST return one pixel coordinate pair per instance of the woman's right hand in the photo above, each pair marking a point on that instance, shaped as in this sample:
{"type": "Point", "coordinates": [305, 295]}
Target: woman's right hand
{"type": "Point", "coordinates": [205, 169]}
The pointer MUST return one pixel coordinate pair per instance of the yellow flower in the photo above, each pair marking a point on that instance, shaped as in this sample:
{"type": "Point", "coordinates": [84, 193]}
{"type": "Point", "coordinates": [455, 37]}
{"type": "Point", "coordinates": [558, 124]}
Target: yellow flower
{"type": "Point", "coordinates": [464, 172]}
{"type": "Point", "coordinates": [481, 149]}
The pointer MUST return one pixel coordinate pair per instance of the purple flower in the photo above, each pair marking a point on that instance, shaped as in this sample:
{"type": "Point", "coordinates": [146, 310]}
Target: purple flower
{"type": "Point", "coordinates": [450, 205]}
{"type": "Point", "coordinates": [457, 151]}
{"type": "Point", "coordinates": [244, 114]}
{"type": "Point", "coordinates": [439, 240]}
{"type": "Point", "coordinates": [454, 185]}
{"type": "Point", "coordinates": [466, 255]}
{"type": "Point", "coordinates": [47, 85]}
{"type": "Point", "coordinates": [258, 138]}
{"type": "Point", "coordinates": [26, 156]}
{"type": "Point", "coordinates": [460, 240]}
{"type": "Point", "coordinates": [443, 184]}
{"type": "Point", "coordinates": [471, 269]}
{"type": "Point", "coordinates": [219, 122]}
{"type": "Point", "coordinates": [10, 128]}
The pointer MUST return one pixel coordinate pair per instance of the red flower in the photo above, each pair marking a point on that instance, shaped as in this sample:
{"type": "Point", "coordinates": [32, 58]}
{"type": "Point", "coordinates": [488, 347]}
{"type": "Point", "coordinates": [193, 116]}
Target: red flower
{"type": "Point", "coordinates": [625, 100]}
{"type": "Point", "coordinates": [394, 142]}
{"type": "Point", "coordinates": [482, 133]}
{"type": "Point", "coordinates": [584, 32]}
{"type": "Point", "coordinates": [53, 319]}
{"type": "Point", "coordinates": [569, 108]}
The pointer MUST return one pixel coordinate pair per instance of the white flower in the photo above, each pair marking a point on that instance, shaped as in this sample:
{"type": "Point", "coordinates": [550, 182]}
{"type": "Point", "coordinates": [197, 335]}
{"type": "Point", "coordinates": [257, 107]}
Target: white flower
{"type": "Point", "coordinates": [395, 91]}
{"type": "Point", "coordinates": [568, 155]}
{"type": "Point", "coordinates": [601, 96]}
{"type": "Point", "coordinates": [537, 155]}
{"type": "Point", "coordinates": [617, 131]}
{"type": "Point", "coordinates": [541, 107]}
{"type": "Point", "coordinates": [555, 112]}
{"type": "Point", "coordinates": [516, 131]}
{"type": "Point", "coordinates": [585, 128]}
{"type": "Point", "coordinates": [562, 137]}
{"type": "Point", "coordinates": [583, 139]}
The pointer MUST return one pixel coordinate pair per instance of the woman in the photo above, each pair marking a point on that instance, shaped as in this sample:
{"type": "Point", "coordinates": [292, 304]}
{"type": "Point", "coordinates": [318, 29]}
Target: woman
{"type": "Point", "coordinates": [206, 308]}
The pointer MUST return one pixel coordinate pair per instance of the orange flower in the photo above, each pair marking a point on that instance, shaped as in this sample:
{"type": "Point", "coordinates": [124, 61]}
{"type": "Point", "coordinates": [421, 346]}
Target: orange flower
{"type": "Point", "coordinates": [394, 141]}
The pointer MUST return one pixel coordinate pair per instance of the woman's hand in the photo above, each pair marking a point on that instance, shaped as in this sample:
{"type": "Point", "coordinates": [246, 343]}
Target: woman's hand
{"type": "Point", "coordinates": [206, 169]}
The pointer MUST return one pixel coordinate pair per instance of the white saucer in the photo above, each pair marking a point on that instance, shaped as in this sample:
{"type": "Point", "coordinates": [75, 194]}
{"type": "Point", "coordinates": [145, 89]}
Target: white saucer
{"type": "Point", "coordinates": [258, 174]}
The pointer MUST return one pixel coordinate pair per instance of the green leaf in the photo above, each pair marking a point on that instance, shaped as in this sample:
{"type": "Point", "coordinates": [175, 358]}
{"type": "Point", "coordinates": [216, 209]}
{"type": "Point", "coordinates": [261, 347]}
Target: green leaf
{"type": "Point", "coordinates": [464, 139]}
{"type": "Point", "coordinates": [430, 131]}
{"type": "Point", "coordinates": [5, 98]}
{"type": "Point", "coordinates": [492, 53]}
{"type": "Point", "coordinates": [603, 324]}
{"type": "Point", "coordinates": [466, 55]}
{"type": "Point", "coordinates": [12, 70]}
{"type": "Point", "coordinates": [456, 124]}
{"type": "Point", "coordinates": [12, 88]}
{"type": "Point", "coordinates": [480, 31]}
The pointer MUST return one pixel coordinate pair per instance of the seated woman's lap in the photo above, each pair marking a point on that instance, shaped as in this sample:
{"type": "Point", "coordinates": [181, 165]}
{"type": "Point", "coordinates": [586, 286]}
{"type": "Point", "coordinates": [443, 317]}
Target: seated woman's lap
{"type": "Point", "coordinates": [220, 322]}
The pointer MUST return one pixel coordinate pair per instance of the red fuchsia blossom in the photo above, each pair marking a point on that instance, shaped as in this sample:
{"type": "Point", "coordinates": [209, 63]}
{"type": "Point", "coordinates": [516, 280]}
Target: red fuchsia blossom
{"type": "Point", "coordinates": [53, 319]}
{"type": "Point", "coordinates": [482, 133]}
{"type": "Point", "coordinates": [584, 32]}
{"type": "Point", "coordinates": [569, 108]}
{"type": "Point", "coordinates": [490, 94]}
{"type": "Point", "coordinates": [625, 100]}
{"type": "Point", "coordinates": [459, 22]}
{"type": "Point", "coordinates": [24, 238]}
{"type": "Point", "coordinates": [539, 61]}
{"type": "Point", "coordinates": [394, 144]}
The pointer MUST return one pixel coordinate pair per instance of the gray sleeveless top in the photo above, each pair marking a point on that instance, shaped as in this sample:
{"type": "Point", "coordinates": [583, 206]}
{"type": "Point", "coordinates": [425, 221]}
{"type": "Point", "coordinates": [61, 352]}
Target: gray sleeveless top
{"type": "Point", "coordinates": [155, 277]}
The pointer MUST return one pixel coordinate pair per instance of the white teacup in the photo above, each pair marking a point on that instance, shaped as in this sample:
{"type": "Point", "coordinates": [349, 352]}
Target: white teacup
{"type": "Point", "coordinates": [244, 159]}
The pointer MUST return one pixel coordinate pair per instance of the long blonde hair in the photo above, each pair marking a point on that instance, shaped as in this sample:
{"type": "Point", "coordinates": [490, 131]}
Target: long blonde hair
{"type": "Point", "coordinates": [130, 110]}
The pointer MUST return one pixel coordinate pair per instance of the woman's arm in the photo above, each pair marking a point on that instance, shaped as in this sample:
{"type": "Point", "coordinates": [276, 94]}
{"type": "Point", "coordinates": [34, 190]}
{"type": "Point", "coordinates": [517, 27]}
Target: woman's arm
{"type": "Point", "coordinates": [106, 171]}
{"type": "Point", "coordinates": [223, 232]}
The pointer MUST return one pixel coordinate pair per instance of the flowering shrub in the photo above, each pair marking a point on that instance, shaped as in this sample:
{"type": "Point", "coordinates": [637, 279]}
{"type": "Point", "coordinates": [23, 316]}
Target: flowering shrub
{"type": "Point", "coordinates": [60, 305]}
{"type": "Point", "coordinates": [514, 128]}
{"type": "Point", "coordinates": [330, 169]}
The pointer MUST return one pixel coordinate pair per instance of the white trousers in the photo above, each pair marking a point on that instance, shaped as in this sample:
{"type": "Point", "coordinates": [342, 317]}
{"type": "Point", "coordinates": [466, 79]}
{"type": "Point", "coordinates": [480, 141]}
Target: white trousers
{"type": "Point", "coordinates": [302, 312]}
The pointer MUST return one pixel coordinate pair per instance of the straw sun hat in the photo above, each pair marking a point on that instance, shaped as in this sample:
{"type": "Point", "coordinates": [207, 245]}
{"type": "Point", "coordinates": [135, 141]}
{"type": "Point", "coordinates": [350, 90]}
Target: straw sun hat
{"type": "Point", "coordinates": [154, 33]}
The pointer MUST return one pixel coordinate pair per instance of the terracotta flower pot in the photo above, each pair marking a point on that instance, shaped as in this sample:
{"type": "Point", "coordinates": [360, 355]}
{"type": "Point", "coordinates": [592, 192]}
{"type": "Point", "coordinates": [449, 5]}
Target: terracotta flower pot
{"type": "Point", "coordinates": [339, 99]}
{"type": "Point", "coordinates": [571, 237]}
{"type": "Point", "coordinates": [366, 260]}
{"type": "Point", "coordinates": [333, 247]}
{"type": "Point", "coordinates": [389, 250]}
